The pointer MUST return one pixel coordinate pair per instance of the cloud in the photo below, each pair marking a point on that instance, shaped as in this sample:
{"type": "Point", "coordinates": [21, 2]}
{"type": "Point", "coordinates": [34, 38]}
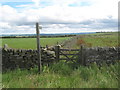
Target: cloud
{"type": "Point", "coordinates": [36, 2]}
{"type": "Point", "coordinates": [58, 16]}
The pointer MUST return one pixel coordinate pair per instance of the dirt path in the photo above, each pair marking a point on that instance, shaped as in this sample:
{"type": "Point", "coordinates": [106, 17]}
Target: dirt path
{"type": "Point", "coordinates": [70, 42]}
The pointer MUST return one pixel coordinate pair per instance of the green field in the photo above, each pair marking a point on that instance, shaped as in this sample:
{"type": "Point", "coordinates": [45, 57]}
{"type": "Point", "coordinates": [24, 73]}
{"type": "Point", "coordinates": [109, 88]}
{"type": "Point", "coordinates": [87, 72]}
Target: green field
{"type": "Point", "coordinates": [30, 43]}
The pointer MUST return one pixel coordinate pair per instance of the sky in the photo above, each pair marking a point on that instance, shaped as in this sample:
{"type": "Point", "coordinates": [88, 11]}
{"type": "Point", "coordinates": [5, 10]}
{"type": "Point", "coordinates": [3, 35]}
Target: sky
{"type": "Point", "coordinates": [58, 16]}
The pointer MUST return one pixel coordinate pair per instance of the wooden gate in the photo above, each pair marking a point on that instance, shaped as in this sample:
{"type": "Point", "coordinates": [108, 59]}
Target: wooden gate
{"type": "Point", "coordinates": [74, 55]}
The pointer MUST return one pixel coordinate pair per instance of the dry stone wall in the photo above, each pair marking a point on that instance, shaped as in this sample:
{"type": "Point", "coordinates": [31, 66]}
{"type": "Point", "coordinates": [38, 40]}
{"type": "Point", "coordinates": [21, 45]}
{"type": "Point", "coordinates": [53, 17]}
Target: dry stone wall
{"type": "Point", "coordinates": [99, 55]}
{"type": "Point", "coordinates": [24, 59]}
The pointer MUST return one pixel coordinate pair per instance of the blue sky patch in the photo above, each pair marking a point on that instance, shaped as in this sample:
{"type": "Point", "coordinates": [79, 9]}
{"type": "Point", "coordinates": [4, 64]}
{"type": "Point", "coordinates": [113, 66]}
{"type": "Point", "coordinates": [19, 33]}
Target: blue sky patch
{"type": "Point", "coordinates": [43, 3]}
{"type": "Point", "coordinates": [80, 4]}
{"type": "Point", "coordinates": [14, 4]}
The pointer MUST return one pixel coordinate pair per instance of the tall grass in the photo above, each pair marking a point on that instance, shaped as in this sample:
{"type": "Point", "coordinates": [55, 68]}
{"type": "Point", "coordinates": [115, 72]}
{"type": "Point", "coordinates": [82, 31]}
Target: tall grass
{"type": "Point", "coordinates": [62, 75]}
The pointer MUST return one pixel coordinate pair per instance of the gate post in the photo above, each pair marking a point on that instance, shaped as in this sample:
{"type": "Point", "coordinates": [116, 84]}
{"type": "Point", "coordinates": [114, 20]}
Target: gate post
{"type": "Point", "coordinates": [57, 52]}
{"type": "Point", "coordinates": [81, 55]}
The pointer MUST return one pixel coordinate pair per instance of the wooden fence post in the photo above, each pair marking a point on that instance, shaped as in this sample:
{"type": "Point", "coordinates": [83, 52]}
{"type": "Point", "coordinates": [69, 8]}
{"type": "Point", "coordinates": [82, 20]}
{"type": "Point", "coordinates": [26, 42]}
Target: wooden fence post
{"type": "Point", "coordinates": [57, 52]}
{"type": "Point", "coordinates": [38, 48]}
{"type": "Point", "coordinates": [79, 56]}
{"type": "Point", "coordinates": [82, 55]}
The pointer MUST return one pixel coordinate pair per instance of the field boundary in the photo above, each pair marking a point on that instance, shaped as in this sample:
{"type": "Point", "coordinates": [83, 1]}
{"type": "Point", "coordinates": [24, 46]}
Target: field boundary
{"type": "Point", "coordinates": [85, 56]}
{"type": "Point", "coordinates": [26, 59]}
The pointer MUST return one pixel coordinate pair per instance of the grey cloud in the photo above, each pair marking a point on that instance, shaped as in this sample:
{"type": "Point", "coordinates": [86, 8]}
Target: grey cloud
{"type": "Point", "coordinates": [46, 22]}
{"type": "Point", "coordinates": [105, 24]}
{"type": "Point", "coordinates": [93, 24]}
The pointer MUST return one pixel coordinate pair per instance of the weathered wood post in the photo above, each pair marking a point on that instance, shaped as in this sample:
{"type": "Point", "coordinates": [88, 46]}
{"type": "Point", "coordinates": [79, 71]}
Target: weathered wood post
{"type": "Point", "coordinates": [57, 52]}
{"type": "Point", "coordinates": [38, 48]}
{"type": "Point", "coordinates": [84, 56]}
{"type": "Point", "coordinates": [81, 55]}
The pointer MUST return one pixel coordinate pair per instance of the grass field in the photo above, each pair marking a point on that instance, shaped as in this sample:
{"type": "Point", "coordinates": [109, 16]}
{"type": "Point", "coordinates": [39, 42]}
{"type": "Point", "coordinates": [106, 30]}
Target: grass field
{"type": "Point", "coordinates": [63, 75]}
{"type": "Point", "coordinates": [99, 40]}
{"type": "Point", "coordinates": [30, 43]}
{"type": "Point", "coordinates": [92, 40]}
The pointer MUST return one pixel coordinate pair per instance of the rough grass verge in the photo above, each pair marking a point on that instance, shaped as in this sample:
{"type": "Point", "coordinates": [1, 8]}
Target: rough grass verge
{"type": "Point", "coordinates": [63, 75]}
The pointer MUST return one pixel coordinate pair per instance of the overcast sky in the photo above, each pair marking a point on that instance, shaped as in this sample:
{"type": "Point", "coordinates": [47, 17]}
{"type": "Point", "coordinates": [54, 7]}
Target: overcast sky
{"type": "Point", "coordinates": [58, 16]}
